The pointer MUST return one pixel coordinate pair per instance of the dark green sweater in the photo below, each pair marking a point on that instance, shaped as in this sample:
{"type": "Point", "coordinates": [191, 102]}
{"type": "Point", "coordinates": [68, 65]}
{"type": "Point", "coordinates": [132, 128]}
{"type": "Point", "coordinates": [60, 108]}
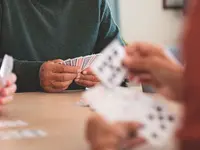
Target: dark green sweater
{"type": "Point", "coordinates": [34, 31]}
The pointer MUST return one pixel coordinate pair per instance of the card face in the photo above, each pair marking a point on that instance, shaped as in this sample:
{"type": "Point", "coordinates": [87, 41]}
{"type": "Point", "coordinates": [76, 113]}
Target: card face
{"type": "Point", "coordinates": [7, 66]}
{"type": "Point", "coordinates": [21, 134]}
{"type": "Point", "coordinates": [108, 66]}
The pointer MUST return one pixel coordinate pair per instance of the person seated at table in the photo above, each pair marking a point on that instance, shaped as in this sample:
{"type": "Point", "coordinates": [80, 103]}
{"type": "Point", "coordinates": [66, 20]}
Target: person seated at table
{"type": "Point", "coordinates": [39, 34]}
{"type": "Point", "coordinates": [153, 67]}
{"type": "Point", "coordinates": [7, 89]}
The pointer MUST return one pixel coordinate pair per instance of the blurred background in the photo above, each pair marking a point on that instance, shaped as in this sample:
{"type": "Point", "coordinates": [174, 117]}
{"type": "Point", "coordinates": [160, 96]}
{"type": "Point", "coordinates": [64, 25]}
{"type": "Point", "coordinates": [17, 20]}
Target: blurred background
{"type": "Point", "coordinates": [157, 21]}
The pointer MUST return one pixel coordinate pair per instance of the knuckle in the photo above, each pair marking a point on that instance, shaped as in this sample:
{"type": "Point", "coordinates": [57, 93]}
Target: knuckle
{"type": "Point", "coordinates": [44, 83]}
{"type": "Point", "coordinates": [45, 66]}
{"type": "Point", "coordinates": [47, 89]}
{"type": "Point", "coordinates": [63, 85]}
{"type": "Point", "coordinates": [62, 68]}
{"type": "Point", "coordinates": [93, 78]}
{"type": "Point", "coordinates": [66, 77]}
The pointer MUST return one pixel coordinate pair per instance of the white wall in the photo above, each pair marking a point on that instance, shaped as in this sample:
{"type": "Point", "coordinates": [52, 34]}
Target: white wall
{"type": "Point", "coordinates": [145, 20]}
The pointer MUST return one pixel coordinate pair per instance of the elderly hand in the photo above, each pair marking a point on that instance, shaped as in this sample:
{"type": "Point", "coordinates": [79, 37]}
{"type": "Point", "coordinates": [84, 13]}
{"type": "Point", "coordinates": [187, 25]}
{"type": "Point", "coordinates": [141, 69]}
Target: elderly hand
{"type": "Point", "coordinates": [56, 77]}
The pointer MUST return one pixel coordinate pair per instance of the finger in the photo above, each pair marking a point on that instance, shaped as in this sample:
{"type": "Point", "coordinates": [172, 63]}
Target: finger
{"type": "Point", "coordinates": [145, 49]}
{"type": "Point", "coordinates": [10, 90]}
{"type": "Point", "coordinates": [131, 49]}
{"type": "Point", "coordinates": [59, 68]}
{"type": "Point", "coordinates": [61, 85]}
{"type": "Point", "coordinates": [145, 76]}
{"type": "Point", "coordinates": [88, 71]}
{"type": "Point", "coordinates": [87, 77]}
{"type": "Point", "coordinates": [10, 79]}
{"type": "Point", "coordinates": [63, 77]}
{"type": "Point", "coordinates": [50, 89]}
{"type": "Point", "coordinates": [131, 77]}
{"type": "Point", "coordinates": [86, 83]}
{"type": "Point", "coordinates": [138, 65]}
{"type": "Point", "coordinates": [96, 124]}
{"type": "Point", "coordinates": [130, 128]}
{"type": "Point", "coordinates": [5, 100]}
{"type": "Point", "coordinates": [57, 60]}
{"type": "Point", "coordinates": [134, 143]}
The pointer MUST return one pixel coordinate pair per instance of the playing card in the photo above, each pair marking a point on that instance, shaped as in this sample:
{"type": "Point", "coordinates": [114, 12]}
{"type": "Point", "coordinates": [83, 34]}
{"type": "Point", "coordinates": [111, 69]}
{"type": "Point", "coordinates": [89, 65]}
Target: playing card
{"type": "Point", "coordinates": [93, 57]}
{"type": "Point", "coordinates": [171, 56]}
{"type": "Point", "coordinates": [127, 104]}
{"type": "Point", "coordinates": [79, 61]}
{"type": "Point", "coordinates": [67, 62]}
{"type": "Point", "coordinates": [86, 60]}
{"type": "Point", "coordinates": [7, 66]}
{"type": "Point", "coordinates": [21, 134]}
{"type": "Point", "coordinates": [108, 66]}
{"type": "Point", "coordinates": [12, 123]}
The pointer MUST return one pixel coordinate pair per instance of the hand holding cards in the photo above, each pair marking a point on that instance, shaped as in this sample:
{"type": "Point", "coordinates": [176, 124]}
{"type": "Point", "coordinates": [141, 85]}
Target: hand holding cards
{"type": "Point", "coordinates": [85, 77]}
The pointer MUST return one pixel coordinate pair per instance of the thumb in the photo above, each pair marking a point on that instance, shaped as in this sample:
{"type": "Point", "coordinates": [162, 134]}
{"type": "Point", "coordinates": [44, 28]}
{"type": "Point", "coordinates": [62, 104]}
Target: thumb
{"type": "Point", "coordinates": [129, 128]}
{"type": "Point", "coordinates": [57, 60]}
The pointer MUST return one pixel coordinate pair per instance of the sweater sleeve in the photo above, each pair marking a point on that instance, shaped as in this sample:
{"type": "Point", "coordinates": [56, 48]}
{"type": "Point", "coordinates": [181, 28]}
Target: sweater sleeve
{"type": "Point", "coordinates": [108, 30]}
{"type": "Point", "coordinates": [27, 75]}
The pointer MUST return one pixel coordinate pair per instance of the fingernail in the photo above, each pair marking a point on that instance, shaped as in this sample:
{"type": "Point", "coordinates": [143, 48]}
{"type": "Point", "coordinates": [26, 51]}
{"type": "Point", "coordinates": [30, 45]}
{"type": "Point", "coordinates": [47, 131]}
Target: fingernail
{"type": "Point", "coordinates": [84, 72]}
{"type": "Point", "coordinates": [77, 80]}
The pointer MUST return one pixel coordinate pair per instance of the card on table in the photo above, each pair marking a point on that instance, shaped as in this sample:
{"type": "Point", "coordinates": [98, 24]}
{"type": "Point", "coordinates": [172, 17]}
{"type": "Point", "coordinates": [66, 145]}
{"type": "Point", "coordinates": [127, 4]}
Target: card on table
{"type": "Point", "coordinates": [12, 123]}
{"type": "Point", "coordinates": [21, 134]}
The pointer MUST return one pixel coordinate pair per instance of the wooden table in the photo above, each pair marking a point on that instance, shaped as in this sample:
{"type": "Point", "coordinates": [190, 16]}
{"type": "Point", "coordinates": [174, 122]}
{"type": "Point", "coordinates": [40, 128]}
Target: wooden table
{"type": "Point", "coordinates": [56, 114]}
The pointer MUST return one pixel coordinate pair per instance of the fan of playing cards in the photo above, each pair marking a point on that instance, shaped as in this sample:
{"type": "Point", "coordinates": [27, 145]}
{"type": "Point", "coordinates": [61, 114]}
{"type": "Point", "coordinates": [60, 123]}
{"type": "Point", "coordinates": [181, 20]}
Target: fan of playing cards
{"type": "Point", "coordinates": [82, 62]}
{"type": "Point", "coordinates": [116, 103]}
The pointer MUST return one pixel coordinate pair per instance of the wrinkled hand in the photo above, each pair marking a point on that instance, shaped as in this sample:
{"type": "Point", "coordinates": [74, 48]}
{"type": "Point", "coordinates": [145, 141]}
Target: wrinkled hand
{"type": "Point", "coordinates": [103, 136]}
{"type": "Point", "coordinates": [7, 91]}
{"type": "Point", "coordinates": [56, 77]}
{"type": "Point", "coordinates": [153, 66]}
{"type": "Point", "coordinates": [87, 79]}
